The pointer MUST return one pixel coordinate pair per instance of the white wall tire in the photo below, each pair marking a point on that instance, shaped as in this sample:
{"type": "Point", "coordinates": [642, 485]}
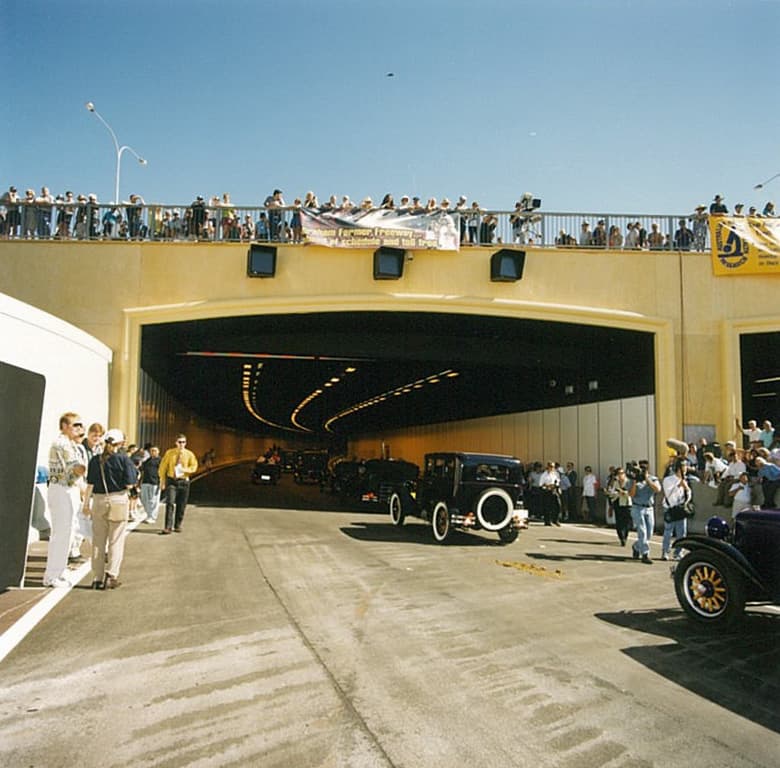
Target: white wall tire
{"type": "Point", "coordinates": [396, 509]}
{"type": "Point", "coordinates": [440, 521]}
{"type": "Point", "coordinates": [495, 509]}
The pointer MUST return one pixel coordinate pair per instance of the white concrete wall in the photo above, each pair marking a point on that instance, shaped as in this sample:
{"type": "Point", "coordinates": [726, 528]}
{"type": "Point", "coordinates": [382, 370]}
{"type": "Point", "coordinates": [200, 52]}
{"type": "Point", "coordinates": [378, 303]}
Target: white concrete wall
{"type": "Point", "coordinates": [599, 434]}
{"type": "Point", "coordinates": [76, 366]}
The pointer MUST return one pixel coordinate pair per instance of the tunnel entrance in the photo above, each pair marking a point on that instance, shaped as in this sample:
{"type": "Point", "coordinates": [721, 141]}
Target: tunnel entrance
{"type": "Point", "coordinates": [339, 373]}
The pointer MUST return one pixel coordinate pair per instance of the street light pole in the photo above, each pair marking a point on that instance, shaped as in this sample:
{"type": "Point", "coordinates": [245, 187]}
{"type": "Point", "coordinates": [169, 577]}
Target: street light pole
{"type": "Point", "coordinates": [119, 150]}
{"type": "Point", "coordinates": [764, 183]}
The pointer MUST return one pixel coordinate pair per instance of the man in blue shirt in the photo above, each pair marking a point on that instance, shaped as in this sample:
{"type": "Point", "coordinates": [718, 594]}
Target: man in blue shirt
{"type": "Point", "coordinates": [643, 489]}
{"type": "Point", "coordinates": [770, 481]}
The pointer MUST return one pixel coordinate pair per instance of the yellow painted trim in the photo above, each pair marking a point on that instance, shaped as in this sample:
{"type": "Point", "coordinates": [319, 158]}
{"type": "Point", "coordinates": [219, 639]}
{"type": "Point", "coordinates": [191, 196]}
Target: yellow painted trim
{"type": "Point", "coordinates": [731, 330]}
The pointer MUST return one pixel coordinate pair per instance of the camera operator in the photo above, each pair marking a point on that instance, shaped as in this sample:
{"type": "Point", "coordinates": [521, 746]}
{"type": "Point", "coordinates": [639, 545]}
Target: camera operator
{"type": "Point", "coordinates": [618, 492]}
{"type": "Point", "coordinates": [677, 492]}
{"type": "Point", "coordinates": [644, 487]}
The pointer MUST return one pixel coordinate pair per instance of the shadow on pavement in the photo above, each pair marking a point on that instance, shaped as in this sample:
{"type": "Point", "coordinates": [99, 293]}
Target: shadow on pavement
{"type": "Point", "coordinates": [737, 670]}
{"type": "Point", "coordinates": [415, 534]}
{"type": "Point", "coordinates": [583, 557]}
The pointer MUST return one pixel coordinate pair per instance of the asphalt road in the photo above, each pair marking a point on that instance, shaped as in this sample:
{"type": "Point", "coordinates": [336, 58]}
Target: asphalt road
{"type": "Point", "coordinates": [293, 633]}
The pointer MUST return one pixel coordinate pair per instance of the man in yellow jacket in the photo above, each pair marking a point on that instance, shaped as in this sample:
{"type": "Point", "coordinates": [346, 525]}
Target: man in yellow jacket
{"type": "Point", "coordinates": [175, 469]}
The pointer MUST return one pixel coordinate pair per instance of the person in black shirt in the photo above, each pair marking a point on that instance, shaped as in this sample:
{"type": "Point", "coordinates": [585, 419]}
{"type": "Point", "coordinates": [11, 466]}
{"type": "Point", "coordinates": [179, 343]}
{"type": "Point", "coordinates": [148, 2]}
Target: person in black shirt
{"type": "Point", "coordinates": [150, 484]}
{"type": "Point", "coordinates": [110, 475]}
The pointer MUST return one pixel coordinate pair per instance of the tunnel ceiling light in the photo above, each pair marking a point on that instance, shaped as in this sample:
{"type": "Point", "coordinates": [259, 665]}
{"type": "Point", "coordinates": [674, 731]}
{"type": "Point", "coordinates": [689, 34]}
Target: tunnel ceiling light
{"type": "Point", "coordinates": [767, 381]}
{"type": "Point", "coordinates": [384, 396]}
{"type": "Point", "coordinates": [249, 403]}
{"type": "Point", "coordinates": [272, 356]}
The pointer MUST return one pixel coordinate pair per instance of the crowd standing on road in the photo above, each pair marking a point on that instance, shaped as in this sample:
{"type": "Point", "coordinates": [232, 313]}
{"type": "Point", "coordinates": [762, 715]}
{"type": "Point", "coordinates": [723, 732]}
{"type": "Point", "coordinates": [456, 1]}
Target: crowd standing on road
{"type": "Point", "coordinates": [746, 477]}
{"type": "Point", "coordinates": [87, 494]}
{"type": "Point", "coordinates": [92, 476]}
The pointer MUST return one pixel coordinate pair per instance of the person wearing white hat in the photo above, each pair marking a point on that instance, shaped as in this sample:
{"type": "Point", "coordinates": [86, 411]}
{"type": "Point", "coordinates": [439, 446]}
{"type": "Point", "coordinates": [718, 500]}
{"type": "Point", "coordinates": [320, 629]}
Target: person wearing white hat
{"type": "Point", "coordinates": [110, 476]}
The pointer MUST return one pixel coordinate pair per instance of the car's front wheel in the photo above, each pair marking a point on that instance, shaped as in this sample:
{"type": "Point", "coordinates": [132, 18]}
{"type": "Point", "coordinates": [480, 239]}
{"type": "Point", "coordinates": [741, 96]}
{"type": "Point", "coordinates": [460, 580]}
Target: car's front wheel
{"type": "Point", "coordinates": [709, 588]}
{"type": "Point", "coordinates": [441, 522]}
{"type": "Point", "coordinates": [396, 510]}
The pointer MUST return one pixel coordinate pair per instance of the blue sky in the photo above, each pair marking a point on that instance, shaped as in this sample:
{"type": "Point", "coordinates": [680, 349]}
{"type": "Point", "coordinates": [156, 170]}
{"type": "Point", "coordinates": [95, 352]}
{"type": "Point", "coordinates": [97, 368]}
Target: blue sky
{"type": "Point", "coordinates": [596, 106]}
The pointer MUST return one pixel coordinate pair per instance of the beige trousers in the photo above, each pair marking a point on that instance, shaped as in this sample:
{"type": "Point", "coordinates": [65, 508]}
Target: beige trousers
{"type": "Point", "coordinates": [109, 526]}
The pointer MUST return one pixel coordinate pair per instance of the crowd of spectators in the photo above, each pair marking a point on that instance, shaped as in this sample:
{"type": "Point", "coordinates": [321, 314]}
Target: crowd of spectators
{"type": "Point", "coordinates": [82, 217]}
{"type": "Point", "coordinates": [745, 474]}
{"type": "Point", "coordinates": [690, 234]}
{"type": "Point", "coordinates": [67, 216]}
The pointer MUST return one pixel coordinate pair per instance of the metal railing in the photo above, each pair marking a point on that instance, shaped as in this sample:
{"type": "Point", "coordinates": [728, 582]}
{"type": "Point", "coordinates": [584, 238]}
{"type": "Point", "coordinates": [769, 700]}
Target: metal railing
{"type": "Point", "coordinates": [90, 221]}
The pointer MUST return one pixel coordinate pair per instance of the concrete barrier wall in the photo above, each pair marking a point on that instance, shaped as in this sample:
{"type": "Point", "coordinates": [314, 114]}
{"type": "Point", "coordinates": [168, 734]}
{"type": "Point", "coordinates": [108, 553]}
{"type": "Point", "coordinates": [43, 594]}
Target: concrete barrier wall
{"type": "Point", "coordinates": [596, 434]}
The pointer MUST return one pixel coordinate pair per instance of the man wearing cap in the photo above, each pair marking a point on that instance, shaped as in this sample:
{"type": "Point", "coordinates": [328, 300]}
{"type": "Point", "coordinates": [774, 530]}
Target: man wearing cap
{"type": "Point", "coordinates": [110, 476]}
{"type": "Point", "coordinates": [718, 207]}
{"type": "Point", "coordinates": [176, 466]}
{"type": "Point", "coordinates": [66, 467]}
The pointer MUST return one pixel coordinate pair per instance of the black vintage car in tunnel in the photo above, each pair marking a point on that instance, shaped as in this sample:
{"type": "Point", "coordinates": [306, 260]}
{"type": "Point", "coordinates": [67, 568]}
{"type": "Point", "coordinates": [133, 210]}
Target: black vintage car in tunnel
{"type": "Point", "coordinates": [373, 480]}
{"type": "Point", "coordinates": [467, 491]}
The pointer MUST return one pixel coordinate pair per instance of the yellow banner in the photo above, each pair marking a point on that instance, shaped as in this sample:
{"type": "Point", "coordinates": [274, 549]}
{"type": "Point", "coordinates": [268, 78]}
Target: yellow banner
{"type": "Point", "coordinates": [745, 245]}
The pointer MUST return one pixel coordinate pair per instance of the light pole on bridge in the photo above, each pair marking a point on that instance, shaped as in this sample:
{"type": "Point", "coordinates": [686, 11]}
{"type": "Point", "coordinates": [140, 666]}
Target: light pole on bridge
{"type": "Point", "coordinates": [119, 149]}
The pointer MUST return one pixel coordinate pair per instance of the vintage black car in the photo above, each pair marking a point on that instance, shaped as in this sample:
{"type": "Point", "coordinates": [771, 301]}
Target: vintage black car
{"type": "Point", "coordinates": [288, 460]}
{"type": "Point", "coordinates": [373, 480]}
{"type": "Point", "coordinates": [726, 569]}
{"type": "Point", "coordinates": [311, 467]}
{"type": "Point", "coordinates": [469, 491]}
{"type": "Point", "coordinates": [266, 472]}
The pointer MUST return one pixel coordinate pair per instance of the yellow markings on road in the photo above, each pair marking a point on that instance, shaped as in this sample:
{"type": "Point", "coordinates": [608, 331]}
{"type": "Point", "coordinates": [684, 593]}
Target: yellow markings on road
{"type": "Point", "coordinates": [534, 570]}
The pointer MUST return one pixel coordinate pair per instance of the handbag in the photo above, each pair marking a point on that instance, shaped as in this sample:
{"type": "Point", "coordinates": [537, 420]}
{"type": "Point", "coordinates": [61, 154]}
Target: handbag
{"type": "Point", "coordinates": [683, 511]}
{"type": "Point", "coordinates": [116, 510]}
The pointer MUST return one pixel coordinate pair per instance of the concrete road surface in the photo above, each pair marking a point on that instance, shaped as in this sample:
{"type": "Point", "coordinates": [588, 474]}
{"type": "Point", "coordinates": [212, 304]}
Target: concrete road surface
{"type": "Point", "coordinates": [280, 630]}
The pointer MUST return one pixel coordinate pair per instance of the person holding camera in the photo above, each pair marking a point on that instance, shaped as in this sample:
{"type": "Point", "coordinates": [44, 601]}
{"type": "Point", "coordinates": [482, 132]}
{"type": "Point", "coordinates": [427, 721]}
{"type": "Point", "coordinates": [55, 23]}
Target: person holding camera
{"type": "Point", "coordinates": [644, 487]}
{"type": "Point", "coordinates": [618, 491]}
{"type": "Point", "coordinates": [677, 493]}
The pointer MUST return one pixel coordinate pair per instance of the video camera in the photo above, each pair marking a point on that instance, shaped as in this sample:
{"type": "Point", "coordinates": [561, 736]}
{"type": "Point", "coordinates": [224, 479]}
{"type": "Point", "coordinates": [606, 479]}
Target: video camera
{"type": "Point", "coordinates": [635, 472]}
